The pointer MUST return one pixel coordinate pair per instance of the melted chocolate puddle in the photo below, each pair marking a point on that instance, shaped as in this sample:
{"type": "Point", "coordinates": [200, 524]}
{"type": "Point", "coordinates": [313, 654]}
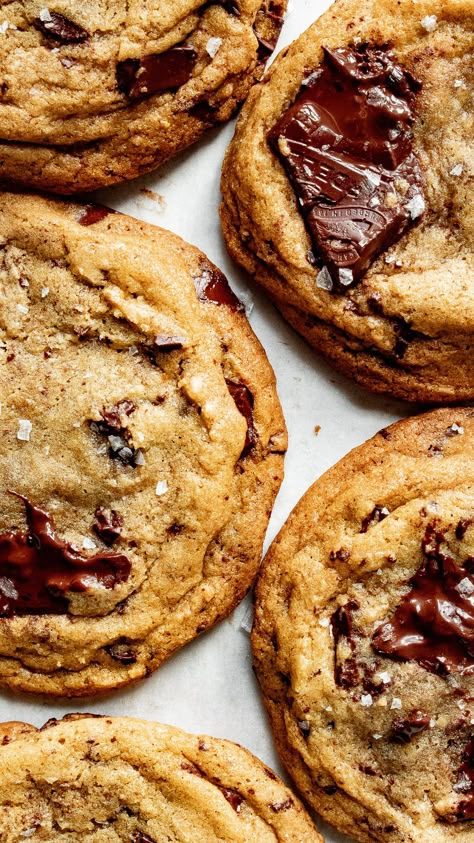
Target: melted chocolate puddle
{"type": "Point", "coordinates": [434, 623]}
{"type": "Point", "coordinates": [37, 568]}
{"type": "Point", "coordinates": [346, 145]}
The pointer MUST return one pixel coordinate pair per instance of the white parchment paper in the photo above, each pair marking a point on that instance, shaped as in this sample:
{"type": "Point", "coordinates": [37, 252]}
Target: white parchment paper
{"type": "Point", "coordinates": [209, 687]}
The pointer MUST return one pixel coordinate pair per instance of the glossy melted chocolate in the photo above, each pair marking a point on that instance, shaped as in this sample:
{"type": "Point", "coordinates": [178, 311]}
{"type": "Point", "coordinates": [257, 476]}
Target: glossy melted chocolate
{"type": "Point", "coordinates": [156, 73]}
{"type": "Point", "coordinates": [37, 568]}
{"type": "Point", "coordinates": [244, 402]}
{"type": "Point", "coordinates": [346, 146]}
{"type": "Point", "coordinates": [434, 623]}
{"type": "Point", "coordinates": [212, 285]}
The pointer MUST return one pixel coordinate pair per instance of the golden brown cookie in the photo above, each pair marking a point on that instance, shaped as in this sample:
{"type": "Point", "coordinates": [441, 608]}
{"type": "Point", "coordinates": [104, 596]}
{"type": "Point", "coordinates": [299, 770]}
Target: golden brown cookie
{"type": "Point", "coordinates": [347, 193]}
{"type": "Point", "coordinates": [364, 636]}
{"type": "Point", "coordinates": [88, 778]}
{"type": "Point", "coordinates": [142, 447]}
{"type": "Point", "coordinates": [95, 94]}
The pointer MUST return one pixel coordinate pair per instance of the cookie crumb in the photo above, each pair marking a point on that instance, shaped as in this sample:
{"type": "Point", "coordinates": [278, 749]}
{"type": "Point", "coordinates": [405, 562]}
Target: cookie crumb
{"type": "Point", "coordinates": [317, 428]}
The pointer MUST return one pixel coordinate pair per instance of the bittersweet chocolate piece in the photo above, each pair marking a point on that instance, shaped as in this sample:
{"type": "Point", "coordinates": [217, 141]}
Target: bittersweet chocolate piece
{"type": "Point", "coordinates": [37, 568]}
{"type": "Point", "coordinates": [156, 73]}
{"type": "Point", "coordinates": [346, 146]}
{"type": "Point", "coordinates": [118, 436]}
{"type": "Point", "coordinates": [108, 525]}
{"type": "Point", "coordinates": [406, 728]}
{"type": "Point", "coordinates": [212, 285]}
{"type": "Point", "coordinates": [91, 214]}
{"type": "Point", "coordinates": [346, 675]}
{"type": "Point", "coordinates": [244, 402]}
{"type": "Point", "coordinates": [56, 26]}
{"type": "Point", "coordinates": [434, 623]}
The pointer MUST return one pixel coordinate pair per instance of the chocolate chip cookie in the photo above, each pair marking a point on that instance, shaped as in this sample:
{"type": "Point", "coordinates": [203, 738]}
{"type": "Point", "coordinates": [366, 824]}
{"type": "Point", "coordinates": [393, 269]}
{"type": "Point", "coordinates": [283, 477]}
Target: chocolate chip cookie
{"type": "Point", "coordinates": [95, 94]}
{"type": "Point", "coordinates": [88, 778]}
{"type": "Point", "coordinates": [364, 635]}
{"type": "Point", "coordinates": [142, 446]}
{"type": "Point", "coordinates": [347, 193]}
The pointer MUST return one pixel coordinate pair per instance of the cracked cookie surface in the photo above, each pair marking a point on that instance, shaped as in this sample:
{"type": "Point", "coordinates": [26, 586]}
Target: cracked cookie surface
{"type": "Point", "coordinates": [97, 94]}
{"type": "Point", "coordinates": [363, 638]}
{"type": "Point", "coordinates": [123, 780]}
{"type": "Point", "coordinates": [403, 322]}
{"type": "Point", "coordinates": [143, 446]}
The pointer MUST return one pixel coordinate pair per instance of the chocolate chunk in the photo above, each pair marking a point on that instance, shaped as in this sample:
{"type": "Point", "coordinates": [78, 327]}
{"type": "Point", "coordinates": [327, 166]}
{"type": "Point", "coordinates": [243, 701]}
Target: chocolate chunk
{"type": "Point", "coordinates": [61, 29]}
{"type": "Point", "coordinates": [93, 213]}
{"type": "Point", "coordinates": [405, 729]}
{"type": "Point", "coordinates": [233, 798]}
{"type": "Point", "coordinates": [462, 527]}
{"type": "Point", "coordinates": [375, 517]}
{"type": "Point", "coordinates": [346, 146]}
{"type": "Point", "coordinates": [244, 402]}
{"type": "Point", "coordinates": [167, 342]}
{"type": "Point", "coordinates": [108, 525]}
{"type": "Point", "coordinates": [278, 807]}
{"type": "Point", "coordinates": [465, 784]}
{"type": "Point", "coordinates": [37, 568]}
{"type": "Point", "coordinates": [346, 675]}
{"type": "Point", "coordinates": [137, 78]}
{"type": "Point", "coordinates": [434, 623]}
{"type": "Point", "coordinates": [305, 727]}
{"type": "Point", "coordinates": [118, 436]}
{"type": "Point", "coordinates": [212, 285]}
{"type": "Point", "coordinates": [122, 652]}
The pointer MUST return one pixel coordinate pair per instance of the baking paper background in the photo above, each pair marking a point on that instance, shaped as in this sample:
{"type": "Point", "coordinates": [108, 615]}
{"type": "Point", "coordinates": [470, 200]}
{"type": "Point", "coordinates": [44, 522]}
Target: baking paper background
{"type": "Point", "coordinates": [209, 686]}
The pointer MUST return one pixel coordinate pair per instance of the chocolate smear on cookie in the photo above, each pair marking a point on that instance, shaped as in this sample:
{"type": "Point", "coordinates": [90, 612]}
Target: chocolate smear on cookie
{"type": "Point", "coordinates": [465, 784]}
{"type": "Point", "coordinates": [434, 623]}
{"type": "Point", "coordinates": [56, 26]}
{"type": "Point", "coordinates": [154, 74]}
{"type": "Point", "coordinates": [346, 145]}
{"type": "Point", "coordinates": [244, 402]}
{"type": "Point", "coordinates": [37, 568]}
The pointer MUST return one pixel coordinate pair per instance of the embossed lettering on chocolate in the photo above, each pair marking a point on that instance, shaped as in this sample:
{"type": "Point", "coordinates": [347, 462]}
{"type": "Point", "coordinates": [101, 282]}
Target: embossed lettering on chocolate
{"type": "Point", "coordinates": [95, 94]}
{"type": "Point", "coordinates": [347, 193]}
{"type": "Point", "coordinates": [142, 446]}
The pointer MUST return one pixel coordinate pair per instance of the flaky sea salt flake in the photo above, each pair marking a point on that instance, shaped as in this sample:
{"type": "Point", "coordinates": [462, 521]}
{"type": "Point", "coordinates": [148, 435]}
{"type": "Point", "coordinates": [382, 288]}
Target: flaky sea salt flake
{"type": "Point", "coordinates": [324, 280]}
{"type": "Point", "coordinates": [396, 703]}
{"type": "Point", "coordinates": [213, 46]}
{"type": "Point", "coordinates": [22, 308]}
{"type": "Point", "coordinates": [161, 487]}
{"type": "Point", "coordinates": [24, 430]}
{"type": "Point", "coordinates": [45, 15]}
{"type": "Point", "coordinates": [416, 206]}
{"type": "Point", "coordinates": [366, 700]}
{"type": "Point", "coordinates": [429, 23]}
{"type": "Point", "coordinates": [457, 170]}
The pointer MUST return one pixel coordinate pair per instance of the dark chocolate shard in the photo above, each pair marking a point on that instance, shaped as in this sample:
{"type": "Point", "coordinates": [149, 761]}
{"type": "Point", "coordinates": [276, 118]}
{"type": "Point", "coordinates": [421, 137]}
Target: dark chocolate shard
{"type": "Point", "coordinates": [434, 623]}
{"type": "Point", "coordinates": [346, 673]}
{"type": "Point", "coordinates": [91, 214]}
{"type": "Point", "coordinates": [375, 517]}
{"type": "Point", "coordinates": [406, 728]}
{"type": "Point", "coordinates": [234, 799]}
{"type": "Point", "coordinates": [347, 149]}
{"type": "Point", "coordinates": [212, 285]}
{"type": "Point", "coordinates": [244, 402]}
{"type": "Point", "coordinates": [108, 525]}
{"type": "Point", "coordinates": [113, 427]}
{"type": "Point", "coordinates": [122, 652]}
{"type": "Point", "coordinates": [37, 568]}
{"type": "Point", "coordinates": [154, 74]}
{"type": "Point", "coordinates": [56, 26]}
